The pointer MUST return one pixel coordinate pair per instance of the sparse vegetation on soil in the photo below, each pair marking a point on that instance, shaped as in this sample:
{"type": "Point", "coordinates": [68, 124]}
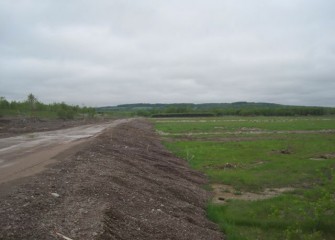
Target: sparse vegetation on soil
{"type": "Point", "coordinates": [273, 178]}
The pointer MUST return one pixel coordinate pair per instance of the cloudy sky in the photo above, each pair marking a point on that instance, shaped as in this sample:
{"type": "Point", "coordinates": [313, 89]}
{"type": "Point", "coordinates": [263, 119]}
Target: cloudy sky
{"type": "Point", "coordinates": [108, 52]}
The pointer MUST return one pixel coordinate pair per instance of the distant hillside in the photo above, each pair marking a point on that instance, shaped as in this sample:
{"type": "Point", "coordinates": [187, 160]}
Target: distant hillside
{"type": "Point", "coordinates": [138, 106]}
{"type": "Point", "coordinates": [214, 109]}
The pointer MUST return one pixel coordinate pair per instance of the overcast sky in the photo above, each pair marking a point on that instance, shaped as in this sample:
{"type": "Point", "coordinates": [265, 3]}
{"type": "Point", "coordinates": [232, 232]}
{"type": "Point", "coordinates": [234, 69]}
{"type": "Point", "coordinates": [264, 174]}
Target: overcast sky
{"type": "Point", "coordinates": [108, 52]}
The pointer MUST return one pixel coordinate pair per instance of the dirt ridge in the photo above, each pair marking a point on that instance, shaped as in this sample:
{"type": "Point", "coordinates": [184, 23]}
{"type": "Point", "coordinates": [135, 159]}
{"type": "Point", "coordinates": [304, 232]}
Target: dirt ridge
{"type": "Point", "coordinates": [124, 185]}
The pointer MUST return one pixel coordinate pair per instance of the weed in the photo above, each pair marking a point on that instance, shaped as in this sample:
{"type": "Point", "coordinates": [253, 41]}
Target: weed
{"type": "Point", "coordinates": [237, 193]}
{"type": "Point", "coordinates": [189, 156]}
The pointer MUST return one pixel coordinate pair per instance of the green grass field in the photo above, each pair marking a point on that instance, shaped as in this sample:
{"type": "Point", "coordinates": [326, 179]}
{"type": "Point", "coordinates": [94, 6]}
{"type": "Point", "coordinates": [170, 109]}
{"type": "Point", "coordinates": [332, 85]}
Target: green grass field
{"type": "Point", "coordinates": [260, 154]}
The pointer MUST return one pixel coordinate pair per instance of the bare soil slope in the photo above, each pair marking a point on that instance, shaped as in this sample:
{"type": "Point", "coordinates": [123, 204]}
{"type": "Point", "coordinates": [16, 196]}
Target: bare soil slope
{"type": "Point", "coordinates": [123, 185]}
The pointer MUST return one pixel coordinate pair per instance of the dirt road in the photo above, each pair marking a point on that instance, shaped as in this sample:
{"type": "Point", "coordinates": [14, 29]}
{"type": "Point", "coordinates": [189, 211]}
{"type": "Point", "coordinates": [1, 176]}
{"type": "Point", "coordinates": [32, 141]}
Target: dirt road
{"type": "Point", "coordinates": [121, 184]}
{"type": "Point", "coordinates": [27, 154]}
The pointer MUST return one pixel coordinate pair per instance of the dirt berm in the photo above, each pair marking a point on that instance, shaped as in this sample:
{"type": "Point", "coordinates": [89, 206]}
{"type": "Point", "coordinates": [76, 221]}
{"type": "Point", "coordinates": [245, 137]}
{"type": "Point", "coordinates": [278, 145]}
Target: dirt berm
{"type": "Point", "coordinates": [122, 184]}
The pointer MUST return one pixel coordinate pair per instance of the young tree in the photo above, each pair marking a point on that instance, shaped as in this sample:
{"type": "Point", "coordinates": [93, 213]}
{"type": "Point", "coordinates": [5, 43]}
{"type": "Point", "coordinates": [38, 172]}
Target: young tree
{"type": "Point", "coordinates": [32, 101]}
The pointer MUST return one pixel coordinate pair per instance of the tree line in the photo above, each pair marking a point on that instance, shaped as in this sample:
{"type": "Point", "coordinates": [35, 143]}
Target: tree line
{"type": "Point", "coordinates": [32, 107]}
{"type": "Point", "coordinates": [173, 111]}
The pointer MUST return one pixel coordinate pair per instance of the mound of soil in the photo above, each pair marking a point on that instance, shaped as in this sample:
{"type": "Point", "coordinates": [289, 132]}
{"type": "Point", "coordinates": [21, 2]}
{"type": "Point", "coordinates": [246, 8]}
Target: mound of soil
{"type": "Point", "coordinates": [123, 185]}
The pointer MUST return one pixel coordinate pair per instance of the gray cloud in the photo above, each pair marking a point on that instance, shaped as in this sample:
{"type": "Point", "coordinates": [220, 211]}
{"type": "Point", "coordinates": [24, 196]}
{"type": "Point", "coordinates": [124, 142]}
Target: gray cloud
{"type": "Point", "coordinates": [121, 51]}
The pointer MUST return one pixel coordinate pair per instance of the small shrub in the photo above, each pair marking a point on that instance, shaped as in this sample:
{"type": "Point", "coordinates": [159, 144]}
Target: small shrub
{"type": "Point", "coordinates": [65, 114]}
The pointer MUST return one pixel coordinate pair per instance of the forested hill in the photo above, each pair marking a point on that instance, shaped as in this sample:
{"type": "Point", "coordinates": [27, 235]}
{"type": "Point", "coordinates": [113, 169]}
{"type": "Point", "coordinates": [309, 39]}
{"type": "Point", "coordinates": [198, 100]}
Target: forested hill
{"type": "Point", "coordinates": [189, 105]}
{"type": "Point", "coordinates": [199, 106]}
{"type": "Point", "coordinates": [218, 109]}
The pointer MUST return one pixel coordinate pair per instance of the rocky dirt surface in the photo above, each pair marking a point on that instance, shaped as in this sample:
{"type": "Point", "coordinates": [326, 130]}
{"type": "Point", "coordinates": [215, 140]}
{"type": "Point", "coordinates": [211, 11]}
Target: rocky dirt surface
{"type": "Point", "coordinates": [122, 185]}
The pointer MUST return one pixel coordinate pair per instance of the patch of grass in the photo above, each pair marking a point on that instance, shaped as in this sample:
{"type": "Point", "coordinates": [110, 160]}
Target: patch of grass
{"type": "Point", "coordinates": [284, 217]}
{"type": "Point", "coordinates": [250, 174]}
{"type": "Point", "coordinates": [267, 161]}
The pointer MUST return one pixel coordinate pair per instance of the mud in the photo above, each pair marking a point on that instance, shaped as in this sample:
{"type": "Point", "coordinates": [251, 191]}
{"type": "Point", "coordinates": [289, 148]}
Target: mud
{"type": "Point", "coordinates": [122, 185]}
{"type": "Point", "coordinates": [224, 193]}
{"type": "Point", "coordinates": [324, 157]}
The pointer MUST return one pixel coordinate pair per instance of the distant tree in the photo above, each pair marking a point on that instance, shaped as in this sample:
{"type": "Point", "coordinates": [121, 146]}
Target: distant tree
{"type": "Point", "coordinates": [4, 104]}
{"type": "Point", "coordinates": [32, 101]}
{"type": "Point", "coordinates": [65, 111]}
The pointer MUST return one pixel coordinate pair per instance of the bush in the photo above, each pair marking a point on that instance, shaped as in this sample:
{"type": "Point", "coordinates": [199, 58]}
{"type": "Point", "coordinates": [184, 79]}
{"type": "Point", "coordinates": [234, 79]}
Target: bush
{"type": "Point", "coordinates": [65, 114]}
